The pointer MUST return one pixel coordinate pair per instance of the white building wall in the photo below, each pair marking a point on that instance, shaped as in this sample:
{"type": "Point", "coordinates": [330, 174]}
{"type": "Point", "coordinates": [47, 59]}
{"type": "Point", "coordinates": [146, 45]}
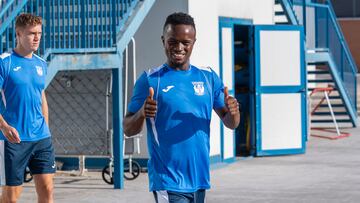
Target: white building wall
{"type": "Point", "coordinates": [259, 11]}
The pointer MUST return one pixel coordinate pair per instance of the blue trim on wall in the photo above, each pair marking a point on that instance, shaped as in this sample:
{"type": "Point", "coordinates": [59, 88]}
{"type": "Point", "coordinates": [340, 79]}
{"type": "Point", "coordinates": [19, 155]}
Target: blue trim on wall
{"type": "Point", "coordinates": [279, 89]}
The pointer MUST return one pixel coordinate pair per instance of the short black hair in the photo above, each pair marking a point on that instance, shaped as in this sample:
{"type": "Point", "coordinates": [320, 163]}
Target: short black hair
{"type": "Point", "coordinates": [179, 18]}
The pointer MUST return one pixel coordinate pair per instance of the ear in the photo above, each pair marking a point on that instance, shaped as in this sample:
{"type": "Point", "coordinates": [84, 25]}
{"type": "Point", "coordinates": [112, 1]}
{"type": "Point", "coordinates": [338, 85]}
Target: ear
{"type": "Point", "coordinates": [163, 40]}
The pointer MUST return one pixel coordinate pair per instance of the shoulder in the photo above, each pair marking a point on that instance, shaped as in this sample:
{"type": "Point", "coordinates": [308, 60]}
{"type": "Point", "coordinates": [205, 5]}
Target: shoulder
{"type": "Point", "coordinates": [41, 60]}
{"type": "Point", "coordinates": [203, 68]}
{"type": "Point", "coordinates": [206, 70]}
{"type": "Point", "coordinates": [153, 71]}
{"type": "Point", "coordinates": [5, 59]}
{"type": "Point", "coordinates": [3, 56]}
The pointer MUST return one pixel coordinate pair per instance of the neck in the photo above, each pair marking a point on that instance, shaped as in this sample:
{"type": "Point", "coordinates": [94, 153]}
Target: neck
{"type": "Point", "coordinates": [23, 52]}
{"type": "Point", "coordinates": [182, 67]}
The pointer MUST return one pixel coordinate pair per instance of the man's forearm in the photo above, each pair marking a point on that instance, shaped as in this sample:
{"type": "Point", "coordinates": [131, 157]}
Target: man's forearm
{"type": "Point", "coordinates": [45, 108]}
{"type": "Point", "coordinates": [133, 123]}
{"type": "Point", "coordinates": [231, 121]}
{"type": "Point", "coordinates": [3, 123]}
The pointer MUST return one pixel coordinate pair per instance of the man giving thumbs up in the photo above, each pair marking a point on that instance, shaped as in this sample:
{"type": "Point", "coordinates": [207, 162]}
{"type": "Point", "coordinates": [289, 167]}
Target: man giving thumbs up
{"type": "Point", "coordinates": [176, 100]}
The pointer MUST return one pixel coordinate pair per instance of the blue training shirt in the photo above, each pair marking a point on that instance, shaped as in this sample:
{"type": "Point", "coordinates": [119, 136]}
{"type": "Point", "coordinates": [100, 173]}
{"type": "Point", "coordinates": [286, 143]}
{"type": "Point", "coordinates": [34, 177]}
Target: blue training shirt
{"type": "Point", "coordinates": [179, 135]}
{"type": "Point", "coordinates": [22, 81]}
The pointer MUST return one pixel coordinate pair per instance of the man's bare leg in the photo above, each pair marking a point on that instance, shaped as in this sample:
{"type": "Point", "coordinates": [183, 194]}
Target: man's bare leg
{"type": "Point", "coordinates": [10, 194]}
{"type": "Point", "coordinates": [44, 187]}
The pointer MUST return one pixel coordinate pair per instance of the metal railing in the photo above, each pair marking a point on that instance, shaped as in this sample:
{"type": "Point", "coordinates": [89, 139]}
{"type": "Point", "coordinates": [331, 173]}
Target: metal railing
{"type": "Point", "coordinates": [69, 24]}
{"type": "Point", "coordinates": [329, 37]}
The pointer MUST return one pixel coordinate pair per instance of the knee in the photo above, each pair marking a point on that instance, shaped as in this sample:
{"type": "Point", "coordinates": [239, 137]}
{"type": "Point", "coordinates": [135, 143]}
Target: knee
{"type": "Point", "coordinates": [46, 191]}
{"type": "Point", "coordinates": [9, 197]}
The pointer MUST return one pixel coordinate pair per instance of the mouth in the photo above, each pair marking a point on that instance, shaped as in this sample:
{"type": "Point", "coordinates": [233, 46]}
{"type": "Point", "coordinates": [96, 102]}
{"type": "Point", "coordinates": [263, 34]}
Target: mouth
{"type": "Point", "coordinates": [178, 56]}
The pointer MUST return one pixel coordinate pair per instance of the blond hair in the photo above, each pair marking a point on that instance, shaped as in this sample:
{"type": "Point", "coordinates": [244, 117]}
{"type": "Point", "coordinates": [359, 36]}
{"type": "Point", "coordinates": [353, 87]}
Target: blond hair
{"type": "Point", "coordinates": [26, 19]}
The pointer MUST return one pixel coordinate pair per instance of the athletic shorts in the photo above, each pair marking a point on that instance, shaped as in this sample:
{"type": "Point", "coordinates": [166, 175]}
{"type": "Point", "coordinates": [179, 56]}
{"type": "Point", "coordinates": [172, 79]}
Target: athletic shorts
{"type": "Point", "coordinates": [179, 197]}
{"type": "Point", "coordinates": [37, 155]}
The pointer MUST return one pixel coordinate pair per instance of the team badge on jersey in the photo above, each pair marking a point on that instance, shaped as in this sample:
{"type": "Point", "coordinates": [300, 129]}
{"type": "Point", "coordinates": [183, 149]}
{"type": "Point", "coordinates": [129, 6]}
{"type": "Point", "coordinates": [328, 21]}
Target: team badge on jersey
{"type": "Point", "coordinates": [198, 88]}
{"type": "Point", "coordinates": [39, 70]}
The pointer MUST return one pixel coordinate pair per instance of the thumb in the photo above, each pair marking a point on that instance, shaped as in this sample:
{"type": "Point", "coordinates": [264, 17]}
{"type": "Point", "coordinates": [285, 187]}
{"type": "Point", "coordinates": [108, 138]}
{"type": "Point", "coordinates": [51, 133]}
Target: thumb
{"type": "Point", "coordinates": [226, 93]}
{"type": "Point", "coordinates": [151, 93]}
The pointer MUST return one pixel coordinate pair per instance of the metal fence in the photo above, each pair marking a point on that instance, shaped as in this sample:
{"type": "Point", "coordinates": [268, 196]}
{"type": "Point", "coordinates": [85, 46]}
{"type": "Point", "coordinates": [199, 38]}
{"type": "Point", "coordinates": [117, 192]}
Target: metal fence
{"type": "Point", "coordinates": [78, 114]}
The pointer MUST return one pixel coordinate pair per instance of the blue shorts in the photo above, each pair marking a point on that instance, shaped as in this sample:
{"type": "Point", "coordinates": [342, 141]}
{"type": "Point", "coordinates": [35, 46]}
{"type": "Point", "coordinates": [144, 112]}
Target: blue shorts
{"type": "Point", "coordinates": [37, 155]}
{"type": "Point", "coordinates": [179, 197]}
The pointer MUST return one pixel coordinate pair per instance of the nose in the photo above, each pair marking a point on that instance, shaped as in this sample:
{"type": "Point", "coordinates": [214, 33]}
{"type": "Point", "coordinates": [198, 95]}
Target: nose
{"type": "Point", "coordinates": [179, 46]}
{"type": "Point", "coordinates": [37, 37]}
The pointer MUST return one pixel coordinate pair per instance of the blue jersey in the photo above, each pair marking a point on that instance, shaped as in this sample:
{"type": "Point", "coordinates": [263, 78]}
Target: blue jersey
{"type": "Point", "coordinates": [22, 81]}
{"type": "Point", "coordinates": [179, 135]}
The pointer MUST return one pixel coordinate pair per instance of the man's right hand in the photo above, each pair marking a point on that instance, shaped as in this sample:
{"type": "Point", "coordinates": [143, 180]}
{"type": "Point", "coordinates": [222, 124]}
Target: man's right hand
{"type": "Point", "coordinates": [150, 105]}
{"type": "Point", "coordinates": [10, 133]}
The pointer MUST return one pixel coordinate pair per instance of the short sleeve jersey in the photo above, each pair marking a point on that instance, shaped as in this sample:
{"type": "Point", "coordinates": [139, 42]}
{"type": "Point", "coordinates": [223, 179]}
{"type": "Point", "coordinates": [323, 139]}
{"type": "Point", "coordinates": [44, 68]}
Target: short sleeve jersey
{"type": "Point", "coordinates": [22, 81]}
{"type": "Point", "coordinates": [178, 136]}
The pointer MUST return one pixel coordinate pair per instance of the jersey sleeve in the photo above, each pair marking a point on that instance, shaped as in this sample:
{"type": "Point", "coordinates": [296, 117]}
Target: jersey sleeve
{"type": "Point", "coordinates": [2, 74]}
{"type": "Point", "coordinates": [140, 92]}
{"type": "Point", "coordinates": [218, 91]}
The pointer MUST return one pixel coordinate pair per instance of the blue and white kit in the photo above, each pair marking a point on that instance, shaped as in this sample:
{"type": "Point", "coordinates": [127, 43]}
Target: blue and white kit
{"type": "Point", "coordinates": [22, 81]}
{"type": "Point", "coordinates": [179, 135]}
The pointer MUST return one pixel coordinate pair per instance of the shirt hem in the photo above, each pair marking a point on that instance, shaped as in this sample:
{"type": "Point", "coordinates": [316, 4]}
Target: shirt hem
{"type": "Point", "coordinates": [181, 190]}
{"type": "Point", "coordinates": [34, 140]}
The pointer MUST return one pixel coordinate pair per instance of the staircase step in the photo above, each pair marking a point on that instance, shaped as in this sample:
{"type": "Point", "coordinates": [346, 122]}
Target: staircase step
{"type": "Point", "coordinates": [278, 7]}
{"type": "Point", "coordinates": [318, 72]}
{"type": "Point", "coordinates": [280, 13]}
{"type": "Point", "coordinates": [280, 19]}
{"type": "Point", "coordinates": [331, 121]}
{"type": "Point", "coordinates": [282, 23]}
{"type": "Point", "coordinates": [328, 113]}
{"type": "Point", "coordinates": [321, 81]}
{"type": "Point", "coordinates": [310, 89]}
{"type": "Point", "coordinates": [332, 105]}
{"type": "Point", "coordinates": [331, 125]}
{"type": "Point", "coordinates": [318, 63]}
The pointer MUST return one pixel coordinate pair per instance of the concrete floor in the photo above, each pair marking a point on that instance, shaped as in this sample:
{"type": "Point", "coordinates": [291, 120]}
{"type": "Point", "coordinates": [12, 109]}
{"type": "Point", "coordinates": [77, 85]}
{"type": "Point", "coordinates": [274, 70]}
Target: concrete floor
{"type": "Point", "coordinates": [328, 172]}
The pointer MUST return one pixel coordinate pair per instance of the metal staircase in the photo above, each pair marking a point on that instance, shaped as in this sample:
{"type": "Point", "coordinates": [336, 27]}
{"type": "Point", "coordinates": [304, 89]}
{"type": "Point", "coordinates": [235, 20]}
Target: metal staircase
{"type": "Point", "coordinates": [95, 31]}
{"type": "Point", "coordinates": [82, 35]}
{"type": "Point", "coordinates": [329, 64]}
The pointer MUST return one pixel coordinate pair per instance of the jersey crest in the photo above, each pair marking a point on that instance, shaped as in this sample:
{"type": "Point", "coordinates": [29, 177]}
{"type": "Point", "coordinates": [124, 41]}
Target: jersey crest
{"type": "Point", "coordinates": [39, 70]}
{"type": "Point", "coordinates": [198, 88]}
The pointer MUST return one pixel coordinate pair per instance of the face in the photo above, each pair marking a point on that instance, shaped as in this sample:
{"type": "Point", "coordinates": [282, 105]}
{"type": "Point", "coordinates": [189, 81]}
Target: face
{"type": "Point", "coordinates": [28, 37]}
{"type": "Point", "coordinates": [178, 41]}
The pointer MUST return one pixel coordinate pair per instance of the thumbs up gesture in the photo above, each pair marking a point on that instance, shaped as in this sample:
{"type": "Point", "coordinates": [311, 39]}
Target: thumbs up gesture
{"type": "Point", "coordinates": [150, 105]}
{"type": "Point", "coordinates": [231, 103]}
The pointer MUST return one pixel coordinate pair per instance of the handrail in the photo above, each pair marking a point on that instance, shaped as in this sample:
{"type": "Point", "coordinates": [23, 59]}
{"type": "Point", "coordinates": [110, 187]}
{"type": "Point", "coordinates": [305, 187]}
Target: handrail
{"type": "Point", "coordinates": [341, 35]}
{"type": "Point", "coordinates": [288, 6]}
{"type": "Point", "coordinates": [6, 7]}
{"type": "Point", "coordinates": [329, 36]}
{"type": "Point", "coordinates": [71, 24]}
{"type": "Point", "coordinates": [16, 6]}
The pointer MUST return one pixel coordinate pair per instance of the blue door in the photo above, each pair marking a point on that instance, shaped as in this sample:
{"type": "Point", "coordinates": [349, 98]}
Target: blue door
{"type": "Point", "coordinates": [280, 90]}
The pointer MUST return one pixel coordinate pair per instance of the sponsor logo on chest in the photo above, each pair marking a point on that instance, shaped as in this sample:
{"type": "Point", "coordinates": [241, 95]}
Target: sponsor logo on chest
{"type": "Point", "coordinates": [198, 88]}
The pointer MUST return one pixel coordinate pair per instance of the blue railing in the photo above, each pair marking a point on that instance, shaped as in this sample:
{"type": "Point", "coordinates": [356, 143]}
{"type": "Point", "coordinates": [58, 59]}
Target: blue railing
{"type": "Point", "coordinates": [329, 37]}
{"type": "Point", "coordinates": [69, 24]}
